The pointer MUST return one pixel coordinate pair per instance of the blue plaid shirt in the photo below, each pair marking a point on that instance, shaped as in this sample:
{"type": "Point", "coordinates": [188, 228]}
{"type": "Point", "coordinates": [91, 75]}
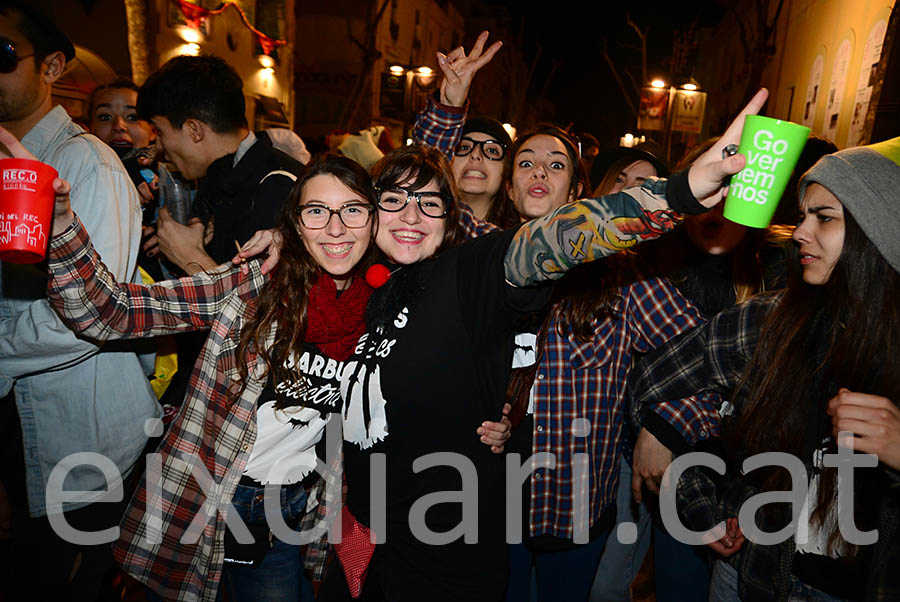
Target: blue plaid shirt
{"type": "Point", "coordinates": [576, 379]}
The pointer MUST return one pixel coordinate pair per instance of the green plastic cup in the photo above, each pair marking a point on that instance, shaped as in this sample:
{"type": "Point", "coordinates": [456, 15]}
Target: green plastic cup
{"type": "Point", "coordinates": [772, 148]}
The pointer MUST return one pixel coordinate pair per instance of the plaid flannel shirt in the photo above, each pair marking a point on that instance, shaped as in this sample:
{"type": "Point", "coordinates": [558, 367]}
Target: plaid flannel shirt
{"type": "Point", "coordinates": [579, 380]}
{"type": "Point", "coordinates": [576, 379]}
{"type": "Point", "coordinates": [210, 440]}
{"type": "Point", "coordinates": [440, 126]}
{"type": "Point", "coordinates": [707, 362]}
{"type": "Point", "coordinates": [713, 358]}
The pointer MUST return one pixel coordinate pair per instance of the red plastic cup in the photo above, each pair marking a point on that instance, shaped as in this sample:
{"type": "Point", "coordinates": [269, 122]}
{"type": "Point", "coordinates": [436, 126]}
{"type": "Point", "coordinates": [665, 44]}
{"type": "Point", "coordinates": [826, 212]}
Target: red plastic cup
{"type": "Point", "coordinates": [26, 209]}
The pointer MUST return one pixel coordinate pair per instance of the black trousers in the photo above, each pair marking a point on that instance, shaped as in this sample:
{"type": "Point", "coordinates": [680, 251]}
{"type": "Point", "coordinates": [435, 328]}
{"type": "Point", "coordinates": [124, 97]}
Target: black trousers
{"type": "Point", "coordinates": [388, 579]}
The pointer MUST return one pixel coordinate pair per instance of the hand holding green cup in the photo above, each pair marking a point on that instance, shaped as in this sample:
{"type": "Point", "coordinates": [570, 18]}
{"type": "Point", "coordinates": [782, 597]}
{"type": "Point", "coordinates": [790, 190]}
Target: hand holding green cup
{"type": "Point", "coordinates": [772, 148]}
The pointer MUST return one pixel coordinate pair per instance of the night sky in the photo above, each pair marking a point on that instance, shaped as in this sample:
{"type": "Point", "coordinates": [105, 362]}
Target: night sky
{"type": "Point", "coordinates": [583, 89]}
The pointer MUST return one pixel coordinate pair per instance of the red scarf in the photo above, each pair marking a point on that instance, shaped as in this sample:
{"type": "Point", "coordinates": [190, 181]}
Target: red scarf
{"type": "Point", "coordinates": [335, 322]}
{"type": "Point", "coordinates": [334, 325]}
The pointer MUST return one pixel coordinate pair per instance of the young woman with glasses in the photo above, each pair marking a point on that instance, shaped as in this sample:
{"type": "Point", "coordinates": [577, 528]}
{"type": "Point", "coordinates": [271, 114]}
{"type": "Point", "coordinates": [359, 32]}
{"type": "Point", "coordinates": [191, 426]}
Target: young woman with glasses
{"type": "Point", "coordinates": [435, 361]}
{"type": "Point", "coordinates": [481, 164]}
{"type": "Point", "coordinates": [264, 388]}
{"type": "Point", "coordinates": [570, 369]}
{"type": "Point", "coordinates": [478, 150]}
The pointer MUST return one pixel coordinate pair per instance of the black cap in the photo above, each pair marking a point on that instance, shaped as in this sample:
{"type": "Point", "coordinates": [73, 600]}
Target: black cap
{"type": "Point", "coordinates": [609, 156]}
{"type": "Point", "coordinates": [490, 126]}
{"type": "Point", "coordinates": [52, 36]}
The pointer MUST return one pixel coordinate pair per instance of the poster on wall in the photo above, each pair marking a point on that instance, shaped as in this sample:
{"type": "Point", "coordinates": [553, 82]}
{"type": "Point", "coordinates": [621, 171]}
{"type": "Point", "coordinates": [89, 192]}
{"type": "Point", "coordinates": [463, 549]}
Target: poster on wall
{"type": "Point", "coordinates": [836, 90]}
{"type": "Point", "coordinates": [871, 57]}
{"type": "Point", "coordinates": [654, 106]}
{"type": "Point", "coordinates": [687, 111]}
{"type": "Point", "coordinates": [812, 90]}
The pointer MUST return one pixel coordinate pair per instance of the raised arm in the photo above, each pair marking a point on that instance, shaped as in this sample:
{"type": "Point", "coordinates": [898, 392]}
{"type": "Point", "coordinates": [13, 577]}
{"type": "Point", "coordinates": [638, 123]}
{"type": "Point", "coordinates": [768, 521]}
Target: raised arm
{"type": "Point", "coordinates": [33, 338]}
{"type": "Point", "coordinates": [440, 125]}
{"type": "Point", "coordinates": [708, 359]}
{"type": "Point", "coordinates": [586, 230]}
{"type": "Point", "coordinates": [86, 294]}
{"type": "Point", "coordinates": [576, 233]}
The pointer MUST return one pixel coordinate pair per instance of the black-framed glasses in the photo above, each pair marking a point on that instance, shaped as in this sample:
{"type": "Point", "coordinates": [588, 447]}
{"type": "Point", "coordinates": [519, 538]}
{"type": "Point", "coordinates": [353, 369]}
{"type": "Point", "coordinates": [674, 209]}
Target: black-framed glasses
{"type": "Point", "coordinates": [490, 149]}
{"type": "Point", "coordinates": [9, 60]}
{"type": "Point", "coordinates": [352, 215]}
{"type": "Point", "coordinates": [394, 198]}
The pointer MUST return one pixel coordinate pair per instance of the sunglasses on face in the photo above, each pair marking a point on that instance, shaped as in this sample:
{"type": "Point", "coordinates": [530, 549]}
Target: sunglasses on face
{"type": "Point", "coordinates": [9, 60]}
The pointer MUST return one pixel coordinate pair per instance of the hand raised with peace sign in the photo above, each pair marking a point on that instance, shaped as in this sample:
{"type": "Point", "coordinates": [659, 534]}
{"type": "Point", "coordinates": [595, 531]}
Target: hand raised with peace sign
{"type": "Point", "coordinates": [459, 68]}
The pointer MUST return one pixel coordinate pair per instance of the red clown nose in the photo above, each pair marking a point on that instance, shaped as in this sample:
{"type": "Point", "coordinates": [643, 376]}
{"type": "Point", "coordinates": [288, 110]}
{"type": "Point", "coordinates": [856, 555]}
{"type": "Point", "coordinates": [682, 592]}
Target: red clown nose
{"type": "Point", "coordinates": [377, 275]}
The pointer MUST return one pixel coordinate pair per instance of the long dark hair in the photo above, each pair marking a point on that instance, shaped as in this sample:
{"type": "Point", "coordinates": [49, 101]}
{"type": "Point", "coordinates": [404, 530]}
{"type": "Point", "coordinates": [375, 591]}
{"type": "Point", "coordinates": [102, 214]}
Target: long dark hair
{"type": "Point", "coordinates": [414, 167]}
{"type": "Point", "coordinates": [582, 294]}
{"type": "Point", "coordinates": [283, 300]}
{"type": "Point", "coordinates": [502, 212]}
{"type": "Point", "coordinates": [845, 333]}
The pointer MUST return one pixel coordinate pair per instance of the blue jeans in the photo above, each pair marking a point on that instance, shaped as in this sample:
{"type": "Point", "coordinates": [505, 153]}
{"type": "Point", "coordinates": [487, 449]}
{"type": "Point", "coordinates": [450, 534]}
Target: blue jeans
{"type": "Point", "coordinates": [278, 577]}
{"type": "Point", "coordinates": [681, 571]}
{"type": "Point", "coordinates": [563, 576]}
{"type": "Point", "coordinates": [621, 562]}
{"type": "Point", "coordinates": [724, 587]}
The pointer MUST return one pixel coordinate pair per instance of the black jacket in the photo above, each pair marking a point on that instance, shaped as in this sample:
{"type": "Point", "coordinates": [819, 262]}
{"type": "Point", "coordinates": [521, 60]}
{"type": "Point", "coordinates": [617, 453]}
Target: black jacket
{"type": "Point", "coordinates": [240, 199]}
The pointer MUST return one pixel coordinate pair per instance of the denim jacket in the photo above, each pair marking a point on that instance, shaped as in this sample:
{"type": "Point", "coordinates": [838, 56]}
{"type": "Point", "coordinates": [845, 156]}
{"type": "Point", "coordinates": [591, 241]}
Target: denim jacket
{"type": "Point", "coordinates": [71, 395]}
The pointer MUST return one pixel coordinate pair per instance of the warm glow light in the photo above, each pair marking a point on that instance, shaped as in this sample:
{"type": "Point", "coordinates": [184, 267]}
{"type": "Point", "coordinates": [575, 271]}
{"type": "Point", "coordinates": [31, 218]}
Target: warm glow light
{"type": "Point", "coordinates": [191, 49]}
{"type": "Point", "coordinates": [190, 35]}
{"type": "Point", "coordinates": [425, 70]}
{"type": "Point", "coordinates": [396, 70]}
{"type": "Point", "coordinates": [510, 130]}
{"type": "Point", "coordinates": [630, 140]}
{"type": "Point", "coordinates": [658, 83]}
{"type": "Point", "coordinates": [690, 86]}
{"type": "Point", "coordinates": [266, 61]}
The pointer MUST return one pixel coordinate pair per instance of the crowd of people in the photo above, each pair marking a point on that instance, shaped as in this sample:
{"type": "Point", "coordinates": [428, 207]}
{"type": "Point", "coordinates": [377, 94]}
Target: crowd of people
{"type": "Point", "coordinates": [471, 368]}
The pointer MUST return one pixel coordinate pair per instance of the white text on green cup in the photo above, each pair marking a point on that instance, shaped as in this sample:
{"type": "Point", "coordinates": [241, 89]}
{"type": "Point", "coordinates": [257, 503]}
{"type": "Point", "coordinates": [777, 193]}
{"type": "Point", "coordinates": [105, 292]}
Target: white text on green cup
{"type": "Point", "coordinates": [757, 179]}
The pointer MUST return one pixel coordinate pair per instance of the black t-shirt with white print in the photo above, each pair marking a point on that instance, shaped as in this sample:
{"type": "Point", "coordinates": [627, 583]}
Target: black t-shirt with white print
{"type": "Point", "coordinates": [424, 386]}
{"type": "Point", "coordinates": [288, 437]}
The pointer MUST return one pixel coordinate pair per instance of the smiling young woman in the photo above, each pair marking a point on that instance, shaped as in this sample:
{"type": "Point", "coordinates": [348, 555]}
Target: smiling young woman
{"type": "Point", "coordinates": [262, 391]}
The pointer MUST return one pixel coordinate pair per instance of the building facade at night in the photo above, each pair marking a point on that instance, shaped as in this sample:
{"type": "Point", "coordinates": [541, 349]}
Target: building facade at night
{"type": "Point", "coordinates": [100, 29]}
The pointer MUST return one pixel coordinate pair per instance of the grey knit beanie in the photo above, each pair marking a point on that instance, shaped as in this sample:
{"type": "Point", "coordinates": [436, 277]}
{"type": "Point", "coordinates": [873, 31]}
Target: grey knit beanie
{"type": "Point", "coordinates": [866, 180]}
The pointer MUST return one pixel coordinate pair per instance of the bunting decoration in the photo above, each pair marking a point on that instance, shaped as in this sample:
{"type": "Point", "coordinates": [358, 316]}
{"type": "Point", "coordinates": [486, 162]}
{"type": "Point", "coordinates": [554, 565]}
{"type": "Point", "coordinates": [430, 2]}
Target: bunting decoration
{"type": "Point", "coordinates": [195, 15]}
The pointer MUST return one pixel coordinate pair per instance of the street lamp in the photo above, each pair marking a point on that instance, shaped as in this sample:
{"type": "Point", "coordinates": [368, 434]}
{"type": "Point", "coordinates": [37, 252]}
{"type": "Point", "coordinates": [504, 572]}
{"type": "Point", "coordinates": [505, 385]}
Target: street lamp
{"type": "Point", "coordinates": [669, 108]}
{"type": "Point", "coordinates": [423, 74]}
